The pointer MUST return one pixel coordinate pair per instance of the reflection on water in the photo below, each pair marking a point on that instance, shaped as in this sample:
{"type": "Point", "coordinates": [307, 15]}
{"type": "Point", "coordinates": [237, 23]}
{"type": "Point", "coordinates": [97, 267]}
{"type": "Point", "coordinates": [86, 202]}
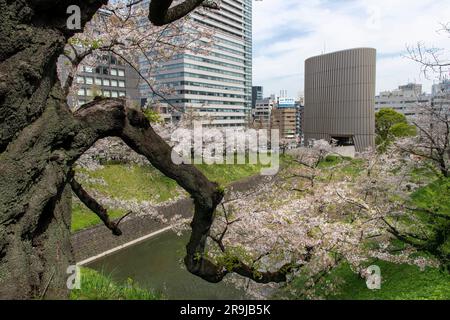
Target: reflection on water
{"type": "Point", "coordinates": [157, 264]}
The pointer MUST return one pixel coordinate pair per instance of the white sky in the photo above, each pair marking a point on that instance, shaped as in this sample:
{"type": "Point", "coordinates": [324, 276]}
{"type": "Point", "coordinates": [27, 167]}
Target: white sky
{"type": "Point", "coordinates": [286, 32]}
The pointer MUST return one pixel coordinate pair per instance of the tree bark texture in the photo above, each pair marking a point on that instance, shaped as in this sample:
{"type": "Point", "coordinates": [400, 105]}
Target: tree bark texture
{"type": "Point", "coordinates": [41, 139]}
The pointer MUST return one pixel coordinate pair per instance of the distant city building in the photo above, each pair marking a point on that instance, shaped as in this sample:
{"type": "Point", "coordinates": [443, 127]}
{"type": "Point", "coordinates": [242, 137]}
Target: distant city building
{"type": "Point", "coordinates": [284, 117]}
{"type": "Point", "coordinates": [300, 107]}
{"type": "Point", "coordinates": [340, 98]}
{"type": "Point", "coordinates": [441, 95]}
{"type": "Point", "coordinates": [282, 113]}
{"type": "Point", "coordinates": [110, 78]}
{"type": "Point", "coordinates": [285, 120]}
{"type": "Point", "coordinates": [407, 99]}
{"type": "Point", "coordinates": [263, 112]}
{"type": "Point", "coordinates": [216, 86]}
{"type": "Point", "coordinates": [441, 88]}
{"type": "Point", "coordinates": [257, 94]}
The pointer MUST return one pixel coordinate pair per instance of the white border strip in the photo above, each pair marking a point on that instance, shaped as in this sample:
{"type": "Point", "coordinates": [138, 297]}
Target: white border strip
{"type": "Point", "coordinates": [106, 253]}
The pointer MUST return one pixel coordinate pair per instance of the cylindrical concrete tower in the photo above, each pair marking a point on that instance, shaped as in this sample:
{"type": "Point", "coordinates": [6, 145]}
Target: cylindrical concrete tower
{"type": "Point", "coordinates": [340, 98]}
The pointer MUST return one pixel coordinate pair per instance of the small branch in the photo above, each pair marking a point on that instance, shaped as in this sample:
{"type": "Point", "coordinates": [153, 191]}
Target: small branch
{"type": "Point", "coordinates": [96, 207]}
{"type": "Point", "coordinates": [299, 190]}
{"type": "Point", "coordinates": [304, 164]}
{"type": "Point", "coordinates": [403, 237]}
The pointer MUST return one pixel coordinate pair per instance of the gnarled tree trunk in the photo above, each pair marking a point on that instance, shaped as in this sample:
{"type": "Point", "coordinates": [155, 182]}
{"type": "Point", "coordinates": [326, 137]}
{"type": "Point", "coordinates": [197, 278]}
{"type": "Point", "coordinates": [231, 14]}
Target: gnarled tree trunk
{"type": "Point", "coordinates": [41, 139]}
{"type": "Point", "coordinates": [37, 133]}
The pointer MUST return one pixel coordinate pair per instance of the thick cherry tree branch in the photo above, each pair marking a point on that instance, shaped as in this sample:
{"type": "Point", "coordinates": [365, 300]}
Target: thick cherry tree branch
{"type": "Point", "coordinates": [161, 13]}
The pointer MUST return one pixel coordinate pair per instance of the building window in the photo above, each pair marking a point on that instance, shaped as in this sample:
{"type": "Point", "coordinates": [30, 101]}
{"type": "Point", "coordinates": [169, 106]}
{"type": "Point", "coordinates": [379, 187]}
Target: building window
{"type": "Point", "coordinates": [113, 83]}
{"type": "Point", "coordinates": [106, 93]}
{"type": "Point", "coordinates": [122, 94]}
{"type": "Point", "coordinates": [89, 92]}
{"type": "Point", "coordinates": [88, 69]}
{"type": "Point", "coordinates": [89, 80]}
{"type": "Point", "coordinates": [81, 92]}
{"type": "Point", "coordinates": [106, 82]}
{"type": "Point", "coordinates": [121, 73]}
{"type": "Point", "coordinates": [80, 80]}
{"type": "Point", "coordinates": [114, 72]}
{"type": "Point", "coordinates": [98, 81]}
{"type": "Point", "coordinates": [114, 94]}
{"type": "Point", "coordinates": [122, 84]}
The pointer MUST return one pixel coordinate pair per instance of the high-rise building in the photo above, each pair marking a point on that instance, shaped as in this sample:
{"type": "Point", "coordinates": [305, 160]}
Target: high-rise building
{"type": "Point", "coordinates": [340, 98]}
{"type": "Point", "coordinates": [217, 86]}
{"type": "Point", "coordinates": [406, 99]}
{"type": "Point", "coordinates": [257, 94]}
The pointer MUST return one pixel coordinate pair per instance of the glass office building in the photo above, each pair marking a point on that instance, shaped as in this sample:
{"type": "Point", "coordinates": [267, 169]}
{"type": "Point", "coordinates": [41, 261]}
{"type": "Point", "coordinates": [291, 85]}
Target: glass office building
{"type": "Point", "coordinates": [216, 86]}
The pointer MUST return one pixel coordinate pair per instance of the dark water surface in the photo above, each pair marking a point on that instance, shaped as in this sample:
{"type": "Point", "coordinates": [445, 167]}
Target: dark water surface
{"type": "Point", "coordinates": [156, 264]}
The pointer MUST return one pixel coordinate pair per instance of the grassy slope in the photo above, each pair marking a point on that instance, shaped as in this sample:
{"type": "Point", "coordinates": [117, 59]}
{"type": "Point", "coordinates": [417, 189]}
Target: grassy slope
{"type": "Point", "coordinates": [399, 282]}
{"type": "Point", "coordinates": [131, 182]}
{"type": "Point", "coordinates": [83, 218]}
{"type": "Point", "coordinates": [146, 183]}
{"type": "Point", "coordinates": [96, 286]}
{"type": "Point", "coordinates": [226, 174]}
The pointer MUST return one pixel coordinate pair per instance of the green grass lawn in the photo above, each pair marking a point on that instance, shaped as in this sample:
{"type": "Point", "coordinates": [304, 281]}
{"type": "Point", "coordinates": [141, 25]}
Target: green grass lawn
{"type": "Point", "coordinates": [435, 196]}
{"type": "Point", "coordinates": [399, 282]}
{"type": "Point", "coordinates": [342, 167]}
{"type": "Point", "coordinates": [97, 286]}
{"type": "Point", "coordinates": [225, 174]}
{"type": "Point", "coordinates": [126, 182]}
{"type": "Point", "coordinates": [133, 182]}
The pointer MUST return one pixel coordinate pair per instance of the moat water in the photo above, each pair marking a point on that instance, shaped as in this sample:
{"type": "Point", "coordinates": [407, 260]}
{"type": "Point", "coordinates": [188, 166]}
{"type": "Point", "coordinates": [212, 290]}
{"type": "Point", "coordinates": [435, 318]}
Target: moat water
{"type": "Point", "coordinates": [156, 264]}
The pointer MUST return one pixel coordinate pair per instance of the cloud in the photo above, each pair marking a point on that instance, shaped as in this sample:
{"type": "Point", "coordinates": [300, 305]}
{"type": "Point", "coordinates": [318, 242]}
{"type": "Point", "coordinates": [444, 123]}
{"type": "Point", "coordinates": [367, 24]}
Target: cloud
{"type": "Point", "coordinates": [287, 32]}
